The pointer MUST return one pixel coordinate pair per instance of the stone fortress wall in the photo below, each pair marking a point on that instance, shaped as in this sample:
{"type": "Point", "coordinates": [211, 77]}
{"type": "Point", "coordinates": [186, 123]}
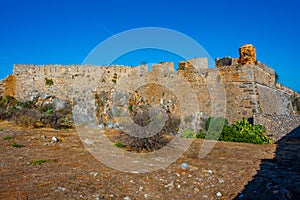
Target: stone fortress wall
{"type": "Point", "coordinates": [250, 86]}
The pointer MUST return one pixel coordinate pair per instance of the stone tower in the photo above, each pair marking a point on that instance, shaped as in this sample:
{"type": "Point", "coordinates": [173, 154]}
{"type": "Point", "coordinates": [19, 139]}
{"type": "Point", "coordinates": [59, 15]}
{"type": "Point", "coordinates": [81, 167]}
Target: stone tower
{"type": "Point", "coordinates": [247, 54]}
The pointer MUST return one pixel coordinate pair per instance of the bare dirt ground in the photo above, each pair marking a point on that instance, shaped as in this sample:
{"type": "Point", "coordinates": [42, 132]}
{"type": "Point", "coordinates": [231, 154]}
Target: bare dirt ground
{"type": "Point", "coordinates": [230, 171]}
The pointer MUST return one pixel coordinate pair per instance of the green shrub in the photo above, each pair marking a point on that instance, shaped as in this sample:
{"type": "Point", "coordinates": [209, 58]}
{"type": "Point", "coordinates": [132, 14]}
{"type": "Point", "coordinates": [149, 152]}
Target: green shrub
{"type": "Point", "coordinates": [120, 145]}
{"type": "Point", "coordinates": [243, 131]}
{"type": "Point", "coordinates": [240, 131]}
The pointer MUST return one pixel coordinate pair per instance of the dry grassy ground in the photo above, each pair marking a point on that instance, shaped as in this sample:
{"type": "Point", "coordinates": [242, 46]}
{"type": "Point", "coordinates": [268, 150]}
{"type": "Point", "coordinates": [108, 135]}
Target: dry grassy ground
{"type": "Point", "coordinates": [71, 172]}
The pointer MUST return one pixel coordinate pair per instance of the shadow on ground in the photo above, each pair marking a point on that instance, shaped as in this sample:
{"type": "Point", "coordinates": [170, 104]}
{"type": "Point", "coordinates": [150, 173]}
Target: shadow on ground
{"type": "Point", "coordinates": [278, 178]}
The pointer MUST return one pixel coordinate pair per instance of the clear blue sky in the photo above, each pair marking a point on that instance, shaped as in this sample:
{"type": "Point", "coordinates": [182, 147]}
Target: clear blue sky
{"type": "Point", "coordinates": [65, 31]}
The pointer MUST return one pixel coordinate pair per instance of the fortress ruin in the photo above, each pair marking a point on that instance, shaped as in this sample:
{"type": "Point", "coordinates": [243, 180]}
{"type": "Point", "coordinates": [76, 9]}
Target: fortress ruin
{"type": "Point", "coordinates": [250, 86]}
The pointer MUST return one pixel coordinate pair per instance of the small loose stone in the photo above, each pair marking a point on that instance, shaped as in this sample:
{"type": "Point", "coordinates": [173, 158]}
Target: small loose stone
{"type": "Point", "coordinates": [218, 194]}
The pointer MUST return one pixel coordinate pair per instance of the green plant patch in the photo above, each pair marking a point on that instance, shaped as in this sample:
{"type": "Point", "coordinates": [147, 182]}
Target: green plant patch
{"type": "Point", "coordinates": [49, 82]}
{"type": "Point", "coordinates": [17, 145]}
{"type": "Point", "coordinates": [240, 131]}
{"type": "Point", "coordinates": [8, 101]}
{"type": "Point", "coordinates": [49, 111]}
{"type": "Point", "coordinates": [8, 137]}
{"type": "Point", "coordinates": [120, 145]}
{"type": "Point", "coordinates": [200, 135]}
{"type": "Point", "coordinates": [40, 161]}
{"type": "Point", "coordinates": [188, 133]}
{"type": "Point", "coordinates": [243, 131]}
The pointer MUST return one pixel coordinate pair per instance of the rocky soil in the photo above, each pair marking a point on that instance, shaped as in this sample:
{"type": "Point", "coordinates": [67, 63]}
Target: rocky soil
{"type": "Point", "coordinates": [68, 171]}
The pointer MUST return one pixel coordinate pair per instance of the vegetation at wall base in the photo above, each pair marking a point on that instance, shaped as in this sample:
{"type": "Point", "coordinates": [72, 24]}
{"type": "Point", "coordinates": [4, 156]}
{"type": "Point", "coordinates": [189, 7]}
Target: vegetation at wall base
{"type": "Point", "coordinates": [29, 115]}
{"type": "Point", "coordinates": [241, 131]}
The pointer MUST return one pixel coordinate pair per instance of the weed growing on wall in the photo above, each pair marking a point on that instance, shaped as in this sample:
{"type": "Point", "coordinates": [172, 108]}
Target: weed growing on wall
{"type": "Point", "coordinates": [49, 82]}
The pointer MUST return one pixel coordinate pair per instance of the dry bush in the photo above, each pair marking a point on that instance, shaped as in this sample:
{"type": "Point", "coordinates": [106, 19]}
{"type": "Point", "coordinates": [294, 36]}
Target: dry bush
{"type": "Point", "coordinates": [26, 121]}
{"type": "Point", "coordinates": [26, 114]}
{"type": "Point", "coordinates": [154, 142]}
{"type": "Point", "coordinates": [6, 114]}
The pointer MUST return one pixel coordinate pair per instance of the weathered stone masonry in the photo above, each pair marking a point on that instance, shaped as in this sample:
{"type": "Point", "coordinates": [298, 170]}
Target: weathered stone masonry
{"type": "Point", "coordinates": [250, 86]}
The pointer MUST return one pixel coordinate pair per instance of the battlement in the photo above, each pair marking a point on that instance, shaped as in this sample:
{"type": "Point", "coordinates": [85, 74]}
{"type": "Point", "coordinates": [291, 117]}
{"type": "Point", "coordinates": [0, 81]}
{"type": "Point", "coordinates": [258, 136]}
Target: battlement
{"type": "Point", "coordinates": [164, 67]}
{"type": "Point", "coordinates": [193, 65]}
{"type": "Point", "coordinates": [55, 70]}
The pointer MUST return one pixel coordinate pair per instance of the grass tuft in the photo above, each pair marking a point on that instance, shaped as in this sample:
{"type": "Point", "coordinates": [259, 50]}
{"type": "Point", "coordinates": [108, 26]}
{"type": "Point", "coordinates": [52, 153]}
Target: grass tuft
{"type": "Point", "coordinates": [40, 161]}
{"type": "Point", "coordinates": [8, 137]}
{"type": "Point", "coordinates": [17, 145]}
{"type": "Point", "coordinates": [120, 145]}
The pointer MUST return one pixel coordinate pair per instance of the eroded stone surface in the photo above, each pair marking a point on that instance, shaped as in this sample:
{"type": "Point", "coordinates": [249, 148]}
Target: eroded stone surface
{"type": "Point", "coordinates": [247, 54]}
